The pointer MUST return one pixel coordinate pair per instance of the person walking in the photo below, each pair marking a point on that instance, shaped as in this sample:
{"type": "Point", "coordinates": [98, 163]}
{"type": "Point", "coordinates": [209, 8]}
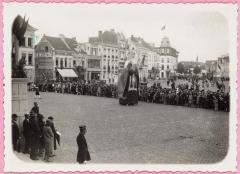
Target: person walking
{"type": "Point", "coordinates": [26, 133]}
{"type": "Point", "coordinates": [83, 153]}
{"type": "Point", "coordinates": [48, 140]}
{"type": "Point", "coordinates": [37, 93]}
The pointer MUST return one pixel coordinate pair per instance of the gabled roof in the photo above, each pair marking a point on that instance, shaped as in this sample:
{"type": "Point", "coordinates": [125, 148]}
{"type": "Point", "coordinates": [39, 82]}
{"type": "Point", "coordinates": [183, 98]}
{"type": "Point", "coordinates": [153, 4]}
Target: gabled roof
{"type": "Point", "coordinates": [72, 43]}
{"type": "Point", "coordinates": [57, 43]}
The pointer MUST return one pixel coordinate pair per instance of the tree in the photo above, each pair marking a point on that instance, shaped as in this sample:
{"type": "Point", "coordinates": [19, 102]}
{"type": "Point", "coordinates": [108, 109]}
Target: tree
{"type": "Point", "coordinates": [197, 70]}
{"type": "Point", "coordinates": [180, 68]}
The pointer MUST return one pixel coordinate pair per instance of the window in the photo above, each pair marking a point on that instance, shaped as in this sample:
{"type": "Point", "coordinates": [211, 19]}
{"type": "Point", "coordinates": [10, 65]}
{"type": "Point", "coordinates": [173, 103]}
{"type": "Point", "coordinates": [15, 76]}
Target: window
{"type": "Point", "coordinates": [162, 67]}
{"type": "Point", "coordinates": [163, 50]}
{"type": "Point", "coordinates": [168, 67]}
{"type": "Point", "coordinates": [93, 63]}
{"type": "Point", "coordinates": [112, 50]}
{"type": "Point", "coordinates": [74, 63]}
{"type": "Point", "coordinates": [168, 51]}
{"type": "Point", "coordinates": [46, 48]}
{"type": "Point", "coordinates": [24, 56]}
{"type": "Point", "coordinates": [112, 56]}
{"type": "Point", "coordinates": [108, 56]}
{"type": "Point", "coordinates": [30, 56]}
{"type": "Point", "coordinates": [104, 56]}
{"type": "Point", "coordinates": [116, 57]}
{"type": "Point", "coordinates": [56, 62]}
{"type": "Point", "coordinates": [104, 49]}
{"type": "Point", "coordinates": [61, 63]}
{"type": "Point", "coordinates": [65, 62]}
{"type": "Point", "coordinates": [168, 60]}
{"type": "Point", "coordinates": [29, 42]}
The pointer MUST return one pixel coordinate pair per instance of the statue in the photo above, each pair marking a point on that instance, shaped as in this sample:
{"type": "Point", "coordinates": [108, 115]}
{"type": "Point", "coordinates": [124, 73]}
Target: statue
{"type": "Point", "coordinates": [19, 28]}
{"type": "Point", "coordinates": [128, 84]}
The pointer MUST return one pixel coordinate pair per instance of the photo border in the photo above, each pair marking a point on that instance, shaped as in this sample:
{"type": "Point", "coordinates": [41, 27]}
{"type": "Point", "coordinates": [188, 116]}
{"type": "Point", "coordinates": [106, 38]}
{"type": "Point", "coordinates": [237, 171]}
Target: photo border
{"type": "Point", "coordinates": [237, 2]}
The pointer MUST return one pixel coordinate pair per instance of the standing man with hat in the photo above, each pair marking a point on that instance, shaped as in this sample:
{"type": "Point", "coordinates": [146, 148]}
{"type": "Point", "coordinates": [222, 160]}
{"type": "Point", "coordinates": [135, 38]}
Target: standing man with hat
{"type": "Point", "coordinates": [26, 133]}
{"type": "Point", "coordinates": [83, 153]}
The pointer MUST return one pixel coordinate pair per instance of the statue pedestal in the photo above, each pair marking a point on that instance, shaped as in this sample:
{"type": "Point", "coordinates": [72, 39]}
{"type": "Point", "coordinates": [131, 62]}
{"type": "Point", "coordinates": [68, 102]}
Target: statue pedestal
{"type": "Point", "coordinates": [19, 96]}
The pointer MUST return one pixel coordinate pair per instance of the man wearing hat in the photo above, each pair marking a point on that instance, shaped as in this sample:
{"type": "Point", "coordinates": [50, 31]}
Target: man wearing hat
{"type": "Point", "coordinates": [83, 153]}
{"type": "Point", "coordinates": [26, 133]}
{"type": "Point", "coordinates": [35, 108]}
{"type": "Point", "coordinates": [35, 135]}
{"type": "Point", "coordinates": [15, 132]}
{"type": "Point", "coordinates": [50, 118]}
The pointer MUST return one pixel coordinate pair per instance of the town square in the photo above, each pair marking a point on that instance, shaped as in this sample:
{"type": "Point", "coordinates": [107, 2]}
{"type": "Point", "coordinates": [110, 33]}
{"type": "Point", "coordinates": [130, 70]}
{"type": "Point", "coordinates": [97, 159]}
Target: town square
{"type": "Point", "coordinates": [110, 90]}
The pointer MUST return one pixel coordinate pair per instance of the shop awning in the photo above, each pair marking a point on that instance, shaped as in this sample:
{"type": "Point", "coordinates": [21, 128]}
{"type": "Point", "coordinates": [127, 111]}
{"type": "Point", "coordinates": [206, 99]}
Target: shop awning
{"type": "Point", "coordinates": [67, 73]}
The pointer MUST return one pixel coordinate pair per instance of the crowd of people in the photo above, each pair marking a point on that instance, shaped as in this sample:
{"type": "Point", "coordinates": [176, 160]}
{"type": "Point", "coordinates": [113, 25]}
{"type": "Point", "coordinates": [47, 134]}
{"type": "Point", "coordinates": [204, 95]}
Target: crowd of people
{"type": "Point", "coordinates": [38, 134]}
{"type": "Point", "coordinates": [183, 92]}
{"type": "Point", "coordinates": [80, 88]}
{"type": "Point", "coordinates": [188, 94]}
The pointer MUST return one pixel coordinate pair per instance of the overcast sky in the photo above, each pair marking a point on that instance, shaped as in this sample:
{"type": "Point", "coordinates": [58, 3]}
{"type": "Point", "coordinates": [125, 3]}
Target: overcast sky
{"type": "Point", "coordinates": [192, 30]}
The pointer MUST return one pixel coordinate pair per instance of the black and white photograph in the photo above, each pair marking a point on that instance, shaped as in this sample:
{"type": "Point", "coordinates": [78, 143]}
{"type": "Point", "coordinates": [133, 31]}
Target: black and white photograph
{"type": "Point", "coordinates": [116, 84]}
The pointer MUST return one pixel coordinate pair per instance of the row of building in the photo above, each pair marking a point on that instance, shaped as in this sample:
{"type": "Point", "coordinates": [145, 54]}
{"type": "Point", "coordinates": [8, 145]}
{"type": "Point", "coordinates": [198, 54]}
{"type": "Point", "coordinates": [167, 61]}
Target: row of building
{"type": "Point", "coordinates": [101, 58]}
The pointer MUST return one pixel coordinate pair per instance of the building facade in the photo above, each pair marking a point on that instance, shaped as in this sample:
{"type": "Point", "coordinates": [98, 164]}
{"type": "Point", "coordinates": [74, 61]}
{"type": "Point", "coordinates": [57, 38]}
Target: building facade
{"type": "Point", "coordinates": [26, 51]}
{"type": "Point", "coordinates": [167, 60]}
{"type": "Point", "coordinates": [53, 53]}
{"type": "Point", "coordinates": [143, 53]}
{"type": "Point", "coordinates": [223, 66]}
{"type": "Point", "coordinates": [106, 54]}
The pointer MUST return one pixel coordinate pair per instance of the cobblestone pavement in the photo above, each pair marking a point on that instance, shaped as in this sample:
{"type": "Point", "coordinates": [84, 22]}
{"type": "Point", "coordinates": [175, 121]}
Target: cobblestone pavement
{"type": "Point", "coordinates": [147, 133]}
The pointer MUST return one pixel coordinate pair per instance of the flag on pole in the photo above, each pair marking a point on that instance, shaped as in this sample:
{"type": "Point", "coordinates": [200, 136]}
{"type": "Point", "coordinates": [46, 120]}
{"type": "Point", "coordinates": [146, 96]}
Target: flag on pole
{"type": "Point", "coordinates": [163, 28]}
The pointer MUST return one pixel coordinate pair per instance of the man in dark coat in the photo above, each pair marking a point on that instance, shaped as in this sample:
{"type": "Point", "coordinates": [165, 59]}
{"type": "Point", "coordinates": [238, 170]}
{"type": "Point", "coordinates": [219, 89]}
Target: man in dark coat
{"type": "Point", "coordinates": [50, 118]}
{"type": "Point", "coordinates": [35, 135]}
{"type": "Point", "coordinates": [26, 133]}
{"type": "Point", "coordinates": [83, 153]}
{"type": "Point", "coordinates": [15, 132]}
{"type": "Point", "coordinates": [35, 108]}
{"type": "Point", "coordinates": [41, 124]}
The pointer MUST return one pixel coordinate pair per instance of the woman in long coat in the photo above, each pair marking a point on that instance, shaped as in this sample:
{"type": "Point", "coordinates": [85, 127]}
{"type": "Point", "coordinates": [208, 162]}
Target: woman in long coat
{"type": "Point", "coordinates": [83, 153]}
{"type": "Point", "coordinates": [48, 138]}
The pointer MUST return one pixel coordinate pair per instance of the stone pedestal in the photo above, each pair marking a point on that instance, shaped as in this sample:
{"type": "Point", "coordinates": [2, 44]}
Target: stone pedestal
{"type": "Point", "coordinates": [19, 97]}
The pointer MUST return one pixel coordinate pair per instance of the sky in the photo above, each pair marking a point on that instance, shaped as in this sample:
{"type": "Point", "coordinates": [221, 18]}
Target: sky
{"type": "Point", "coordinates": [193, 30]}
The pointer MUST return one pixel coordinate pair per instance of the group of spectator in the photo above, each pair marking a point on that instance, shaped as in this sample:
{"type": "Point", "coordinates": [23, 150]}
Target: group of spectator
{"type": "Point", "coordinates": [80, 88]}
{"type": "Point", "coordinates": [38, 134]}
{"type": "Point", "coordinates": [183, 92]}
{"type": "Point", "coordinates": [191, 94]}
